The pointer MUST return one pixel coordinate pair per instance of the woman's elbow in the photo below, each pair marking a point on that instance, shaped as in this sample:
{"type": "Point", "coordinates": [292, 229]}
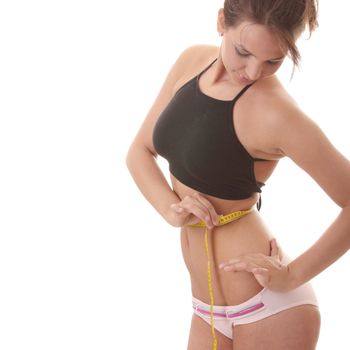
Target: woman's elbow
{"type": "Point", "coordinates": [130, 156]}
{"type": "Point", "coordinates": [137, 154]}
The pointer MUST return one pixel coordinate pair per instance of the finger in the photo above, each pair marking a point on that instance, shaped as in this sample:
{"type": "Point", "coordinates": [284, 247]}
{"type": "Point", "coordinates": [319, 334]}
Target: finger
{"type": "Point", "coordinates": [240, 266]}
{"type": "Point", "coordinates": [180, 209]}
{"type": "Point", "coordinates": [211, 210]}
{"type": "Point", "coordinates": [195, 207]}
{"type": "Point", "coordinates": [176, 207]}
{"type": "Point", "coordinates": [226, 263]}
{"type": "Point", "coordinates": [253, 258]}
{"type": "Point", "coordinates": [246, 257]}
{"type": "Point", "coordinates": [262, 276]}
{"type": "Point", "coordinates": [276, 252]}
{"type": "Point", "coordinates": [280, 252]}
{"type": "Point", "coordinates": [275, 249]}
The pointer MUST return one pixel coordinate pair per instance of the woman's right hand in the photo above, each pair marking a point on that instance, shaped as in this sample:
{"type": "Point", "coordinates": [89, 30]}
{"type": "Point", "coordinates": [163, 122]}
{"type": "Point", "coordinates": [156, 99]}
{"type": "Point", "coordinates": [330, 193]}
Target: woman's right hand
{"type": "Point", "coordinates": [192, 209]}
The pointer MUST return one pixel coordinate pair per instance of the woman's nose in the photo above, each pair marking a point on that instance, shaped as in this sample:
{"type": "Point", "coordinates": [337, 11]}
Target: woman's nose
{"type": "Point", "coordinates": [253, 71]}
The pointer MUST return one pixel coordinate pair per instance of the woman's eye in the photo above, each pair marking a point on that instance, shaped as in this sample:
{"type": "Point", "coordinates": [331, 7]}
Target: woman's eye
{"type": "Point", "coordinates": [273, 62]}
{"type": "Point", "coordinates": [239, 53]}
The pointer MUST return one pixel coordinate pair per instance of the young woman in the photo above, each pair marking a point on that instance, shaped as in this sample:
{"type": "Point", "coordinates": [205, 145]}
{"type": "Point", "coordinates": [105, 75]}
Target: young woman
{"type": "Point", "coordinates": [223, 121]}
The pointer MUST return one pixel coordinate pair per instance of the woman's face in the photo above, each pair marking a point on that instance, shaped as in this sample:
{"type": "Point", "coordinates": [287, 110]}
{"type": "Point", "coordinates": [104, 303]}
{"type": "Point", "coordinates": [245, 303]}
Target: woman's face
{"type": "Point", "coordinates": [250, 52]}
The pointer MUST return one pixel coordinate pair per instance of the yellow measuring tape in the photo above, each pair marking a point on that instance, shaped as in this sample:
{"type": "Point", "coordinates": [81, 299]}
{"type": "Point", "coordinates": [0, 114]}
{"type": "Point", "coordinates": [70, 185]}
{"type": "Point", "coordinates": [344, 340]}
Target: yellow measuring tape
{"type": "Point", "coordinates": [223, 219]}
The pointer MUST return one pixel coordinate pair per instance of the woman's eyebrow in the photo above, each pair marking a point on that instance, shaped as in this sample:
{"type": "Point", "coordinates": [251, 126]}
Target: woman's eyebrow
{"type": "Point", "coordinates": [272, 59]}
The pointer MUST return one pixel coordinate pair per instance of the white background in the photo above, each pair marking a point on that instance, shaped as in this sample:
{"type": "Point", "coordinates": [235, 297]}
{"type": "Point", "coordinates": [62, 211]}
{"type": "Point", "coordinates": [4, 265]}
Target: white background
{"type": "Point", "coordinates": [85, 261]}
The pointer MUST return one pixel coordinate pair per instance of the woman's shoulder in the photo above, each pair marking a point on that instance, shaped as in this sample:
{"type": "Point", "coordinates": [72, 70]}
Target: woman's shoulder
{"type": "Point", "coordinates": [272, 112]}
{"type": "Point", "coordinates": [270, 98]}
{"type": "Point", "coordinates": [198, 54]}
{"type": "Point", "coordinates": [193, 60]}
{"type": "Point", "coordinates": [270, 91]}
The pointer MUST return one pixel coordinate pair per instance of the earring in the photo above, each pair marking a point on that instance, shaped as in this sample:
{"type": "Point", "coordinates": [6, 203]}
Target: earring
{"type": "Point", "coordinates": [221, 34]}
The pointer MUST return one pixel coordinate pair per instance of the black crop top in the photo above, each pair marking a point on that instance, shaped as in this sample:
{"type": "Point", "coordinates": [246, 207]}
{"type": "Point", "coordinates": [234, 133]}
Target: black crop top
{"type": "Point", "coordinates": [195, 133]}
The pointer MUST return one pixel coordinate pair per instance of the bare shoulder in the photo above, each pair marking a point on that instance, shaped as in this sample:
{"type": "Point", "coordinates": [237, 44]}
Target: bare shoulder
{"type": "Point", "coordinates": [190, 61]}
{"type": "Point", "coordinates": [271, 99]}
{"type": "Point", "coordinates": [193, 60]}
{"type": "Point", "coordinates": [272, 110]}
{"type": "Point", "coordinates": [282, 115]}
{"type": "Point", "coordinates": [278, 127]}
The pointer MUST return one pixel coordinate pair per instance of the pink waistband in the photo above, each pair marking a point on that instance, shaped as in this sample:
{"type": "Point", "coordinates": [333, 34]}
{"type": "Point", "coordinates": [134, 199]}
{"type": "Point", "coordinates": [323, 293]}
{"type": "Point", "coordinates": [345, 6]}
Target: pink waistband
{"type": "Point", "coordinates": [226, 311]}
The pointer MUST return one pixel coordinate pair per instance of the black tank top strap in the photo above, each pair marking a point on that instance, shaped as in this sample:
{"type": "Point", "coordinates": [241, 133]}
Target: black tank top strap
{"type": "Point", "coordinates": [259, 202]}
{"type": "Point", "coordinates": [241, 93]}
{"type": "Point", "coordinates": [206, 68]}
{"type": "Point", "coordinates": [238, 95]}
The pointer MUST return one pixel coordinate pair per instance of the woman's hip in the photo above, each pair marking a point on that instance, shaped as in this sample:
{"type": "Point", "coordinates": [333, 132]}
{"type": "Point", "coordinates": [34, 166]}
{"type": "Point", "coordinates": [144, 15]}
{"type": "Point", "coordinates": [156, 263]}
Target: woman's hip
{"type": "Point", "coordinates": [262, 305]}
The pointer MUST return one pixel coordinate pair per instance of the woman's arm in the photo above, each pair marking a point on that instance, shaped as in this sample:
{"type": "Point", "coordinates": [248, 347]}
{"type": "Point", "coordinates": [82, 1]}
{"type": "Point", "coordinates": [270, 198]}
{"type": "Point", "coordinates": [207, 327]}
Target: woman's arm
{"type": "Point", "coordinates": [302, 140]}
{"type": "Point", "coordinates": [289, 132]}
{"type": "Point", "coordinates": [141, 161]}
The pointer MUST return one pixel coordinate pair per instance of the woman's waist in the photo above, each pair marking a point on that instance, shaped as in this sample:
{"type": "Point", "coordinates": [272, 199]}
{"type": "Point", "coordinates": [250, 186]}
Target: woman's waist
{"type": "Point", "coordinates": [247, 234]}
{"type": "Point", "coordinates": [238, 228]}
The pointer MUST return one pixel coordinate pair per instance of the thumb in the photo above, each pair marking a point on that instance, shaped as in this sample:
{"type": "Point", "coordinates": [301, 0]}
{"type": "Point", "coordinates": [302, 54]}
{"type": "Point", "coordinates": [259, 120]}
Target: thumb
{"type": "Point", "coordinates": [176, 208]}
{"type": "Point", "coordinates": [274, 248]}
{"type": "Point", "coordinates": [262, 276]}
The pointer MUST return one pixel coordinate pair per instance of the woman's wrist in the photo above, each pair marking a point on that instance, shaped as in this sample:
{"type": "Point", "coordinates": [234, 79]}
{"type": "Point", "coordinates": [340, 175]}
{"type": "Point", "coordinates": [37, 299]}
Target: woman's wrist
{"type": "Point", "coordinates": [169, 214]}
{"type": "Point", "coordinates": [294, 280]}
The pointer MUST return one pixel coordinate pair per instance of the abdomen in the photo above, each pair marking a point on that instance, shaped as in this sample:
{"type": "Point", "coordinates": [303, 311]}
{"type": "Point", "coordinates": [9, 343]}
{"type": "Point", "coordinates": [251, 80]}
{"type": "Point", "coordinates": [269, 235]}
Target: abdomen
{"type": "Point", "coordinates": [246, 235]}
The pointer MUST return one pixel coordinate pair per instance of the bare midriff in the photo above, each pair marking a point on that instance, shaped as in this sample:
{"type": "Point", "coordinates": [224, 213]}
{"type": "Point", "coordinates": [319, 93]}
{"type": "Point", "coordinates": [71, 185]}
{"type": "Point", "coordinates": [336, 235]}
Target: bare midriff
{"type": "Point", "coordinates": [245, 235]}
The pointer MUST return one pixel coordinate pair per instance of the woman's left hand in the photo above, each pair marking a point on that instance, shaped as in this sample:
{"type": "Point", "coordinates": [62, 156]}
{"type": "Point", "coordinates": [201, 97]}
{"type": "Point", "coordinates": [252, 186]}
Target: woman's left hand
{"type": "Point", "coordinates": [269, 271]}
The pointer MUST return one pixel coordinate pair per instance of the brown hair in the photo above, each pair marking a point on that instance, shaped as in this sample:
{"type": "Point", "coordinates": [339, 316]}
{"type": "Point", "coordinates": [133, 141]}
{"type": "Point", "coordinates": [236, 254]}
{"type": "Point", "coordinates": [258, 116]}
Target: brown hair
{"type": "Point", "coordinates": [287, 18]}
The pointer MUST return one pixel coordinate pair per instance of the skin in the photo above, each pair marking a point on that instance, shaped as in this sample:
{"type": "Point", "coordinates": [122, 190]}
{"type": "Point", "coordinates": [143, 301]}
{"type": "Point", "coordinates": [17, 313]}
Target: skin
{"type": "Point", "coordinates": [270, 125]}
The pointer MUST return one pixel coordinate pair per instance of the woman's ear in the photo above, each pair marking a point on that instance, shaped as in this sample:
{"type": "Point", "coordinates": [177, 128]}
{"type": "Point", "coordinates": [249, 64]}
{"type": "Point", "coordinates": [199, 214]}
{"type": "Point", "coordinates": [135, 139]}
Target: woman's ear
{"type": "Point", "coordinates": [221, 22]}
